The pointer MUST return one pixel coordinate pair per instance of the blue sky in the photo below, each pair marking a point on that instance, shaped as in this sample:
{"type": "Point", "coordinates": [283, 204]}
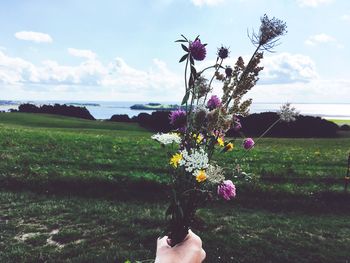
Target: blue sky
{"type": "Point", "coordinates": [125, 50]}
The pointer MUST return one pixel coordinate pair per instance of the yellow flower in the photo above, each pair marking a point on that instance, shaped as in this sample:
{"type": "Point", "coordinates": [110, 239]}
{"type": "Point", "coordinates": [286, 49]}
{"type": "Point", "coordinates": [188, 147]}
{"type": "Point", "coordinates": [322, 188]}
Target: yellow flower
{"type": "Point", "coordinates": [175, 159]}
{"type": "Point", "coordinates": [198, 138]}
{"type": "Point", "coordinates": [221, 142]}
{"type": "Point", "coordinates": [201, 176]}
{"type": "Point", "coordinates": [229, 147]}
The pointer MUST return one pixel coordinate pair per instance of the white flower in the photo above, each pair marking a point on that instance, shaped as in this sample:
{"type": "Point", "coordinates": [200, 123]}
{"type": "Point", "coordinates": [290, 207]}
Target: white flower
{"type": "Point", "coordinates": [197, 160]}
{"type": "Point", "coordinates": [287, 113]}
{"type": "Point", "coordinates": [215, 174]}
{"type": "Point", "coordinates": [167, 138]}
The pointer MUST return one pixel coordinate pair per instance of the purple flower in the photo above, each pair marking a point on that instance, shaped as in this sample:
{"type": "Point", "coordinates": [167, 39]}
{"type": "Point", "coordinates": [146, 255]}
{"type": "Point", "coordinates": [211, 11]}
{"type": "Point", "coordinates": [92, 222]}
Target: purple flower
{"type": "Point", "coordinates": [236, 124]}
{"type": "Point", "coordinates": [178, 119]}
{"type": "Point", "coordinates": [248, 143]}
{"type": "Point", "coordinates": [228, 71]}
{"type": "Point", "coordinates": [223, 52]}
{"type": "Point", "coordinates": [197, 50]}
{"type": "Point", "coordinates": [227, 190]}
{"type": "Point", "coordinates": [214, 102]}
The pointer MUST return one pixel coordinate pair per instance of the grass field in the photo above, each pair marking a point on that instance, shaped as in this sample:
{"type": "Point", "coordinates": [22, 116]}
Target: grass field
{"type": "Point", "coordinates": [340, 122]}
{"type": "Point", "coordinates": [92, 183]}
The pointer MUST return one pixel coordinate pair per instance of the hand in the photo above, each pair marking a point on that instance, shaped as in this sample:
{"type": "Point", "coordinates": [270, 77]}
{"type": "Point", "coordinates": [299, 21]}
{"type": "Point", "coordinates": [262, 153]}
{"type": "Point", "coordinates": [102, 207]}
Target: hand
{"type": "Point", "coordinates": [188, 251]}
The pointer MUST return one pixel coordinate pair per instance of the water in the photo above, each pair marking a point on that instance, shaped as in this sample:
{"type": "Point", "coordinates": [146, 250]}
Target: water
{"type": "Point", "coordinates": [106, 109]}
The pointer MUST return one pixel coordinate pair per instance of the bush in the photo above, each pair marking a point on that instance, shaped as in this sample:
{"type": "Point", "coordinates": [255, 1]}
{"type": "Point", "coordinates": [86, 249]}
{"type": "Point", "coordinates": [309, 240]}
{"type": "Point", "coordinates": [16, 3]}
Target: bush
{"type": "Point", "coordinates": [304, 126]}
{"type": "Point", "coordinates": [57, 109]}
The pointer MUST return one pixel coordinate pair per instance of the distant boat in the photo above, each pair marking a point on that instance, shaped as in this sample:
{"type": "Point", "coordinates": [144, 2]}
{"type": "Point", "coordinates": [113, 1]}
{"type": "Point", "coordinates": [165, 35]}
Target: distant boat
{"type": "Point", "coordinates": [156, 106]}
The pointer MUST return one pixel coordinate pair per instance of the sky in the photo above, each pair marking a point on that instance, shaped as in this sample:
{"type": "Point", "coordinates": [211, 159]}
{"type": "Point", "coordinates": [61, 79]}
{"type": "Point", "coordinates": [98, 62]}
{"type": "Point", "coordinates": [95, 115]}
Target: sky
{"type": "Point", "coordinates": [113, 50]}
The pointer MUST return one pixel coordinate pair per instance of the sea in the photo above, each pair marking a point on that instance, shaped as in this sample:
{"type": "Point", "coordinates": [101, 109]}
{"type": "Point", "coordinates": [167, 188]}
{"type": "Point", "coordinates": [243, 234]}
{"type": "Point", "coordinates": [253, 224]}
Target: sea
{"type": "Point", "coordinates": [105, 109]}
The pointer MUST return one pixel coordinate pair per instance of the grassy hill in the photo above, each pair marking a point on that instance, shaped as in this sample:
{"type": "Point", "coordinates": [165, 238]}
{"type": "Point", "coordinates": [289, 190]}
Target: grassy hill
{"type": "Point", "coordinates": [296, 212]}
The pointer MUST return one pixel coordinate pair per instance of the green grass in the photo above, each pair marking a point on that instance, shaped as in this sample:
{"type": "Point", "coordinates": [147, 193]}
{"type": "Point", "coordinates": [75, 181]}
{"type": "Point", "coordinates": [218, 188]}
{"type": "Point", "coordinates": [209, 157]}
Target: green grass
{"type": "Point", "coordinates": [97, 230]}
{"type": "Point", "coordinates": [39, 149]}
{"type": "Point", "coordinates": [340, 122]}
{"type": "Point", "coordinates": [296, 212]}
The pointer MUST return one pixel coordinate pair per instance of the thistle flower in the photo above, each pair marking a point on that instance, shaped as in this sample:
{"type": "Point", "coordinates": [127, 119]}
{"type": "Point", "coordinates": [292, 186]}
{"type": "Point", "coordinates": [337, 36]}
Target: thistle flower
{"type": "Point", "coordinates": [227, 190]}
{"type": "Point", "coordinates": [228, 71]}
{"type": "Point", "coordinates": [178, 118]}
{"type": "Point", "coordinates": [287, 113]}
{"type": "Point", "coordinates": [248, 143]}
{"type": "Point", "coordinates": [223, 52]}
{"type": "Point", "coordinates": [200, 176]}
{"type": "Point", "coordinates": [175, 160]}
{"type": "Point", "coordinates": [214, 102]}
{"type": "Point", "coordinates": [197, 50]}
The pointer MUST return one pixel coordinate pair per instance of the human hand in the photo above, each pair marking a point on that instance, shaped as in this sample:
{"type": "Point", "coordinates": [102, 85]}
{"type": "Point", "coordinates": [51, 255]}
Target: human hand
{"type": "Point", "coordinates": [188, 251]}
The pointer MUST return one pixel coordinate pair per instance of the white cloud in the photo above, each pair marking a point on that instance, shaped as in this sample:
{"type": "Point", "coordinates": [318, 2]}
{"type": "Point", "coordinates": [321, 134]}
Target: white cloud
{"type": "Point", "coordinates": [34, 36]}
{"type": "Point", "coordinates": [313, 3]}
{"type": "Point", "coordinates": [82, 53]}
{"type": "Point", "coordinates": [320, 38]}
{"type": "Point", "coordinates": [206, 2]}
{"type": "Point", "coordinates": [287, 68]}
{"type": "Point", "coordinates": [91, 78]}
{"type": "Point", "coordinates": [316, 91]}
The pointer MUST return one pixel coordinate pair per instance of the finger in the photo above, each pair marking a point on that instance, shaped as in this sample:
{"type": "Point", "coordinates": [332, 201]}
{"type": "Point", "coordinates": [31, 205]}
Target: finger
{"type": "Point", "coordinates": [193, 238]}
{"type": "Point", "coordinates": [162, 242]}
{"type": "Point", "coordinates": [203, 254]}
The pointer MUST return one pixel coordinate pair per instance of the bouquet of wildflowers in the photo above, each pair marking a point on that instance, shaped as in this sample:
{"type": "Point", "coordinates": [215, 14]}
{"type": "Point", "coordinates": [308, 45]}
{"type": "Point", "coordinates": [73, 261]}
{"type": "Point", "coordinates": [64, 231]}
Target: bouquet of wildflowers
{"type": "Point", "coordinates": [202, 121]}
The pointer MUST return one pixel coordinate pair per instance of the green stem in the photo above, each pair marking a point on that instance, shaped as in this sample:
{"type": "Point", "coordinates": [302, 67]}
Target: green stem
{"type": "Point", "coordinates": [262, 135]}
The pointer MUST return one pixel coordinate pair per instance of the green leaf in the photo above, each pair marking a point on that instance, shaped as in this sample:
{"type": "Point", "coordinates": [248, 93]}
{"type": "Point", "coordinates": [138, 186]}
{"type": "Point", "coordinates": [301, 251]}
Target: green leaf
{"type": "Point", "coordinates": [184, 37]}
{"type": "Point", "coordinates": [184, 48]}
{"type": "Point", "coordinates": [181, 40]}
{"type": "Point", "coordinates": [185, 99]}
{"type": "Point", "coordinates": [183, 58]}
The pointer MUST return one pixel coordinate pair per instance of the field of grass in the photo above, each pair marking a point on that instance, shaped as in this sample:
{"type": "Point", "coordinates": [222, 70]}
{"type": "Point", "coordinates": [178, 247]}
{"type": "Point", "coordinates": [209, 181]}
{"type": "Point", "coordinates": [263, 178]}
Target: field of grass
{"type": "Point", "coordinates": [98, 196]}
{"type": "Point", "coordinates": [340, 122]}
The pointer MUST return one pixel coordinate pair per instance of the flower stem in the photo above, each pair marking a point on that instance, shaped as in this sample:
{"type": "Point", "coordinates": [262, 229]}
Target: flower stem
{"type": "Point", "coordinates": [262, 135]}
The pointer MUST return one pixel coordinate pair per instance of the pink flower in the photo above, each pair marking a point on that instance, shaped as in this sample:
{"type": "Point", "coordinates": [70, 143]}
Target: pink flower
{"type": "Point", "coordinates": [248, 143]}
{"type": "Point", "coordinates": [178, 119]}
{"type": "Point", "coordinates": [214, 102]}
{"type": "Point", "coordinates": [197, 50]}
{"type": "Point", "coordinates": [227, 190]}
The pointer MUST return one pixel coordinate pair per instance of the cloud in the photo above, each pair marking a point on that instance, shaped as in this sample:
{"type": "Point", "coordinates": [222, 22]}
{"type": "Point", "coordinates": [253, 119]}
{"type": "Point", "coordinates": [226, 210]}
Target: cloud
{"type": "Point", "coordinates": [91, 78]}
{"type": "Point", "coordinates": [313, 3]}
{"type": "Point", "coordinates": [345, 17]}
{"type": "Point", "coordinates": [320, 38]}
{"type": "Point", "coordinates": [207, 2]}
{"type": "Point", "coordinates": [82, 53]}
{"type": "Point", "coordinates": [287, 68]}
{"type": "Point", "coordinates": [315, 91]}
{"type": "Point", "coordinates": [34, 36]}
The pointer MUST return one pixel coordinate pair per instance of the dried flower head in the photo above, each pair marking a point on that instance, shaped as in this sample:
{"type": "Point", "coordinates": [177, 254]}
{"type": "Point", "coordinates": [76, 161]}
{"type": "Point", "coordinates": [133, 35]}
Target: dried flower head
{"type": "Point", "coordinates": [197, 50]}
{"type": "Point", "coordinates": [223, 52]}
{"type": "Point", "coordinates": [215, 174]}
{"type": "Point", "coordinates": [287, 113]}
{"type": "Point", "coordinates": [270, 30]}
